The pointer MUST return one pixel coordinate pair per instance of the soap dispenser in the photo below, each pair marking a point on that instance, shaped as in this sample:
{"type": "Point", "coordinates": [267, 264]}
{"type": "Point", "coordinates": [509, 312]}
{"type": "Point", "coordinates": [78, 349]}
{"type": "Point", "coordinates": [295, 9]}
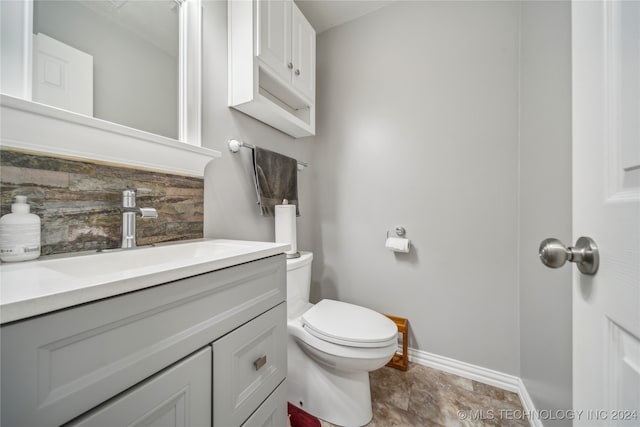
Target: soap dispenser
{"type": "Point", "coordinates": [19, 233]}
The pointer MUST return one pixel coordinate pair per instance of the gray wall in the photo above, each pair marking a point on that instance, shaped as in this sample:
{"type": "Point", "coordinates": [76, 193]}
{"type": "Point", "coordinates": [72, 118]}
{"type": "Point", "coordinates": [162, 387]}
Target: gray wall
{"type": "Point", "coordinates": [230, 198]}
{"type": "Point", "coordinates": [418, 126]}
{"type": "Point", "coordinates": [545, 201]}
{"type": "Point", "coordinates": [419, 105]}
{"type": "Point", "coordinates": [135, 82]}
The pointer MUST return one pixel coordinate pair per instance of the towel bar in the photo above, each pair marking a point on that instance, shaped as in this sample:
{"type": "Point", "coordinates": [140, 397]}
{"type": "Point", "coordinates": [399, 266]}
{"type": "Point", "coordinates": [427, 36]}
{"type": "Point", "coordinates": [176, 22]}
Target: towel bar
{"type": "Point", "coordinates": [234, 147]}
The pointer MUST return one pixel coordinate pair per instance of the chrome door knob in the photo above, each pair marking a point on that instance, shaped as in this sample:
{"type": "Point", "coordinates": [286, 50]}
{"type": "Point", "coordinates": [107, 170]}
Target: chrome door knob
{"type": "Point", "coordinates": [554, 254]}
{"type": "Point", "coordinates": [297, 72]}
{"type": "Point", "coordinates": [289, 65]}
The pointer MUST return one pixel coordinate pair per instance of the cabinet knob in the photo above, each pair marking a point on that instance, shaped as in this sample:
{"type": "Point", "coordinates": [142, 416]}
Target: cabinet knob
{"type": "Point", "coordinates": [290, 65]}
{"type": "Point", "coordinates": [297, 72]}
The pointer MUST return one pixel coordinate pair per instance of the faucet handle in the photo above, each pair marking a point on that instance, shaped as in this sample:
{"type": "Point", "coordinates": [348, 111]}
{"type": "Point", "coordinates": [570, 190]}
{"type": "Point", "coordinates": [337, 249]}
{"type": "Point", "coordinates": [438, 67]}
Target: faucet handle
{"type": "Point", "coordinates": [129, 196]}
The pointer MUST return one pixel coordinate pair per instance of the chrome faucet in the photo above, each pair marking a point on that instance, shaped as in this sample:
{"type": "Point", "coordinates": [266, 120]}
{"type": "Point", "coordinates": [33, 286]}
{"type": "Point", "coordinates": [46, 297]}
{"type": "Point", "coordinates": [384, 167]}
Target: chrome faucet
{"type": "Point", "coordinates": [129, 212]}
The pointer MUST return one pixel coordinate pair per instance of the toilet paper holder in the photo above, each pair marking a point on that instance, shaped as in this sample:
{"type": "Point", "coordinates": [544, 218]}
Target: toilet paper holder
{"type": "Point", "coordinates": [399, 230]}
{"type": "Point", "coordinates": [399, 244]}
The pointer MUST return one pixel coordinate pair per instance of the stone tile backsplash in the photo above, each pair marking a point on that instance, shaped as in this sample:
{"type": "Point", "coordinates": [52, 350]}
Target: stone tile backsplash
{"type": "Point", "coordinates": [79, 201]}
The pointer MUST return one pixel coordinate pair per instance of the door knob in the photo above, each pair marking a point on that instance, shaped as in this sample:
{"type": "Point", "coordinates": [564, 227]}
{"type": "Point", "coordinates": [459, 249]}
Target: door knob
{"type": "Point", "coordinates": [554, 254]}
{"type": "Point", "coordinates": [297, 72]}
{"type": "Point", "coordinates": [290, 65]}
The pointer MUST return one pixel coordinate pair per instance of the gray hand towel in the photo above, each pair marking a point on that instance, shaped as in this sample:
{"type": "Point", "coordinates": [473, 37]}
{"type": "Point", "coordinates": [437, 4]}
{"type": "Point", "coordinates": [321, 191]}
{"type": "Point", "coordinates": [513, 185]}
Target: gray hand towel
{"type": "Point", "coordinates": [276, 178]}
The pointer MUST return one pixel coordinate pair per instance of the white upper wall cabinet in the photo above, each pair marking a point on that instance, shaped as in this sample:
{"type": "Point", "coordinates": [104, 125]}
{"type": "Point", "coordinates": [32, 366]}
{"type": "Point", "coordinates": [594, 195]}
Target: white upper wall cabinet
{"type": "Point", "coordinates": [272, 61]}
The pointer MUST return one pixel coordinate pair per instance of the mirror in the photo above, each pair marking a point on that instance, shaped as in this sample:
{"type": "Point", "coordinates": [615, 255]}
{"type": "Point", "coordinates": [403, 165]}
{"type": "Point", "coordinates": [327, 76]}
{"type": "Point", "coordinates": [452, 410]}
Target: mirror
{"type": "Point", "coordinates": [121, 61]}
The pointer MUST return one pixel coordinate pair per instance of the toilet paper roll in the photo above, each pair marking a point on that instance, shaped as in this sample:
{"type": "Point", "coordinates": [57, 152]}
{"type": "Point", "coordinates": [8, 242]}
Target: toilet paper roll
{"type": "Point", "coordinates": [397, 244]}
{"type": "Point", "coordinates": [286, 226]}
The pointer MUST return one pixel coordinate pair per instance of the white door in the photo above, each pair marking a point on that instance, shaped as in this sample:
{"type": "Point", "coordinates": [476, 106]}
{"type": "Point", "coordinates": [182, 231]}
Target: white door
{"type": "Point", "coordinates": [274, 36]}
{"type": "Point", "coordinates": [62, 75]}
{"type": "Point", "coordinates": [303, 54]}
{"type": "Point", "coordinates": [606, 207]}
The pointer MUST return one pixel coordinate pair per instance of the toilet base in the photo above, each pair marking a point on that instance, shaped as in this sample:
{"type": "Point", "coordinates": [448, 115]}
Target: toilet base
{"type": "Point", "coordinates": [339, 397]}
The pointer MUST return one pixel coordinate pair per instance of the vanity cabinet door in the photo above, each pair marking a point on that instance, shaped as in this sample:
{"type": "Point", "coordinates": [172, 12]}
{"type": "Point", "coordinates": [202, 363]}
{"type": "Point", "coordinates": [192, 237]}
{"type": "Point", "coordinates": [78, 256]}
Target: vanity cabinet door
{"type": "Point", "coordinates": [178, 396]}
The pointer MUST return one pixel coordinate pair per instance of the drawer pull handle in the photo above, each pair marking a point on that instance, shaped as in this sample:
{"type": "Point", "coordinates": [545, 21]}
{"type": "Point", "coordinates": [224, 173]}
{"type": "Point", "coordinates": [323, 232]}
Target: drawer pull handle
{"type": "Point", "coordinates": [260, 362]}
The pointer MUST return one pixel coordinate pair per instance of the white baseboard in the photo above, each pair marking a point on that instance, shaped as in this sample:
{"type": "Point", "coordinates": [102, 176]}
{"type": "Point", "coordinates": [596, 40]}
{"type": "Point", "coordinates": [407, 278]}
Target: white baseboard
{"type": "Point", "coordinates": [528, 405]}
{"type": "Point", "coordinates": [477, 373]}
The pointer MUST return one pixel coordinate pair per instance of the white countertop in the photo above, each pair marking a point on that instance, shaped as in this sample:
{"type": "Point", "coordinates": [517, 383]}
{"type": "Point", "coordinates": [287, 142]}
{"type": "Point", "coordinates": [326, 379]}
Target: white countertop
{"type": "Point", "coordinates": [48, 284]}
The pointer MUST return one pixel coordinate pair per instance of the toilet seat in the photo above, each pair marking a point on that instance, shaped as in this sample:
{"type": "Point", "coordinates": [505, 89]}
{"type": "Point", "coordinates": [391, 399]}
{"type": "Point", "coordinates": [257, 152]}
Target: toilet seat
{"type": "Point", "coordinates": [349, 325]}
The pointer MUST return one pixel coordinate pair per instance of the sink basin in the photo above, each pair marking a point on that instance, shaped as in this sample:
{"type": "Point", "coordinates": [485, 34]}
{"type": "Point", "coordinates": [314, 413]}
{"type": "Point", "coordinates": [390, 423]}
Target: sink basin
{"type": "Point", "coordinates": [37, 287]}
{"type": "Point", "coordinates": [143, 258]}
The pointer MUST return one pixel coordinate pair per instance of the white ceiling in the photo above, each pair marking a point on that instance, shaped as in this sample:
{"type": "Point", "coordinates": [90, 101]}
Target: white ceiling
{"type": "Point", "coordinates": [325, 14]}
{"type": "Point", "coordinates": [155, 21]}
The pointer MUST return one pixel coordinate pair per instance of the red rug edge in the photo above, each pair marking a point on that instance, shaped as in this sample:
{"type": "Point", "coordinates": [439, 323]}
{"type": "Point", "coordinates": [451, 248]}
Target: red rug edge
{"type": "Point", "coordinates": [300, 418]}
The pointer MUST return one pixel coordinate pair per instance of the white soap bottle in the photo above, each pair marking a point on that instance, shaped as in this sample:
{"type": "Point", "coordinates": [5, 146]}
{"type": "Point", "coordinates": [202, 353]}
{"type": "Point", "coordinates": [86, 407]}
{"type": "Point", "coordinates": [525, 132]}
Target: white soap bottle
{"type": "Point", "coordinates": [19, 233]}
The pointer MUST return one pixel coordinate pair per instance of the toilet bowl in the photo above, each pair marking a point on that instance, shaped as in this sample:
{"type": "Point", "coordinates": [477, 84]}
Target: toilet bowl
{"type": "Point", "coordinates": [332, 347]}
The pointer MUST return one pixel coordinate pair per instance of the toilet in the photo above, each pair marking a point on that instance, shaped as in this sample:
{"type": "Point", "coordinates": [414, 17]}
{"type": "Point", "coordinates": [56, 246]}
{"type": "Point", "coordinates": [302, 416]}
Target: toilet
{"type": "Point", "coordinates": [332, 347]}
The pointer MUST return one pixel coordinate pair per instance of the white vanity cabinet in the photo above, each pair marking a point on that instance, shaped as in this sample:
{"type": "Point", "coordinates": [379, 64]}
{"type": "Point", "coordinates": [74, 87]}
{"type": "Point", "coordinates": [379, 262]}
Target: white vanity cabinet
{"type": "Point", "coordinates": [272, 64]}
{"type": "Point", "coordinates": [205, 350]}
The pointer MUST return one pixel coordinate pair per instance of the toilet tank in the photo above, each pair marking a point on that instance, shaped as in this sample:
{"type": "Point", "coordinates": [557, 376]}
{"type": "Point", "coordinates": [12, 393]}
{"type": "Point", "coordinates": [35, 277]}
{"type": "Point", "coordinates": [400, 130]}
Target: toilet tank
{"type": "Point", "coordinates": [298, 283]}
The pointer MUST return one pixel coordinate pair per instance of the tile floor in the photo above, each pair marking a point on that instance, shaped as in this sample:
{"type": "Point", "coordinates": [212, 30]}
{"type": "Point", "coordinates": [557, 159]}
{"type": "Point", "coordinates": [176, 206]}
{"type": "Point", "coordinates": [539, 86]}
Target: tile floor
{"type": "Point", "coordinates": [425, 397]}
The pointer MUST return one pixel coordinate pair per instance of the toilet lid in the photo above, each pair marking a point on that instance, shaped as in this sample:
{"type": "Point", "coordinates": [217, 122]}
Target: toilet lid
{"type": "Point", "coordinates": [349, 324]}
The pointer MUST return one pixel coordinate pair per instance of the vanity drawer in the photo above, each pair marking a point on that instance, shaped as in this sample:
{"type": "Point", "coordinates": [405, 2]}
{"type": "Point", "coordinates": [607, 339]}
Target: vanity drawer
{"type": "Point", "coordinates": [60, 365]}
{"type": "Point", "coordinates": [272, 412]}
{"type": "Point", "coordinates": [248, 364]}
